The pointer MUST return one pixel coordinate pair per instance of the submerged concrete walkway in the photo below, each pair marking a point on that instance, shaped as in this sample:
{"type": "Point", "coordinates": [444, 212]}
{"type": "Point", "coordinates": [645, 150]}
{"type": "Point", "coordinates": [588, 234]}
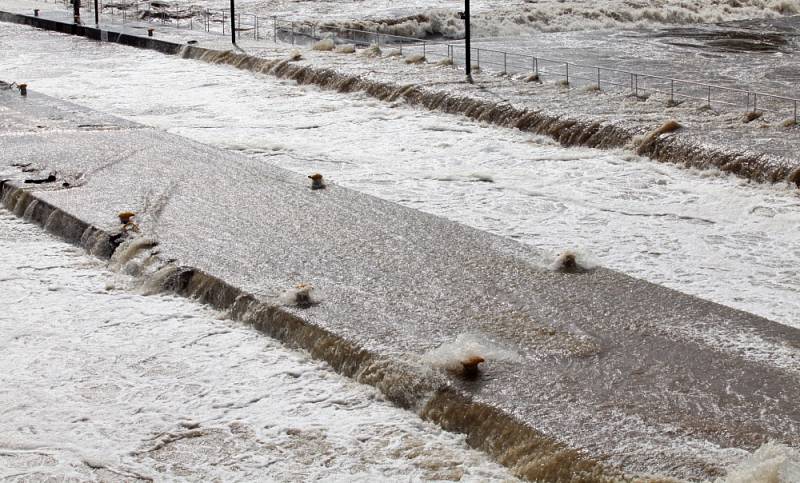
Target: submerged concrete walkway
{"type": "Point", "coordinates": [588, 375]}
{"type": "Point", "coordinates": [765, 150]}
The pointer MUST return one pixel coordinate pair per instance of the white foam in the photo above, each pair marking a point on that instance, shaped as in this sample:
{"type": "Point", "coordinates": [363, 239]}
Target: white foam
{"type": "Point", "coordinates": [450, 355]}
{"type": "Point", "coordinates": [771, 463]}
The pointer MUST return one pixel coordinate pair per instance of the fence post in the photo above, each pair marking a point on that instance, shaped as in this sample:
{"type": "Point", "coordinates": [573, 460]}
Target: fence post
{"type": "Point", "coordinates": [478, 57]}
{"type": "Point", "coordinates": [755, 102]}
{"type": "Point", "coordinates": [223, 22]}
{"type": "Point", "coordinates": [636, 85]}
{"type": "Point", "coordinates": [795, 112]}
{"type": "Point", "coordinates": [598, 78]}
{"type": "Point", "coordinates": [566, 64]}
{"type": "Point", "coordinates": [672, 91]}
{"type": "Point", "coordinates": [505, 63]}
{"type": "Point", "coordinates": [709, 96]}
{"type": "Point", "coordinates": [424, 49]}
{"type": "Point", "coordinates": [536, 66]}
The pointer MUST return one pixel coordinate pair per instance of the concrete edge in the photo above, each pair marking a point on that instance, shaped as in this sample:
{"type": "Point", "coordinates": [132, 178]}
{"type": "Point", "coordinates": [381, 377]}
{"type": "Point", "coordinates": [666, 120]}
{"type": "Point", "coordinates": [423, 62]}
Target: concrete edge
{"type": "Point", "coordinates": [528, 453]}
{"type": "Point", "coordinates": [659, 146]}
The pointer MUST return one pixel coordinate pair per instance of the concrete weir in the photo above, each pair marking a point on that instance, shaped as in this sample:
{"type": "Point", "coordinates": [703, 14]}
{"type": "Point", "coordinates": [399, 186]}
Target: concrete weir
{"type": "Point", "coordinates": [567, 129]}
{"type": "Point", "coordinates": [599, 377]}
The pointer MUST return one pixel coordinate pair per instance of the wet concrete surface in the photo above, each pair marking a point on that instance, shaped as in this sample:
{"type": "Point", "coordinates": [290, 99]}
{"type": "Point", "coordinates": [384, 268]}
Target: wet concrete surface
{"type": "Point", "coordinates": [639, 376]}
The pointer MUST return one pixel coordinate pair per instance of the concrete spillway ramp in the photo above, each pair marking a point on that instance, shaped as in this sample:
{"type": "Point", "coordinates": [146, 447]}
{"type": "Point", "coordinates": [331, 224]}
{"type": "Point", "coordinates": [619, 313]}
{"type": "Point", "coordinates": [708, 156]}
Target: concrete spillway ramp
{"type": "Point", "coordinates": [589, 375]}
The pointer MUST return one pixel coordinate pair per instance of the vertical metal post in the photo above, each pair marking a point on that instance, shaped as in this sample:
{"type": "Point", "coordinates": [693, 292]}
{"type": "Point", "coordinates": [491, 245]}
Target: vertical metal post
{"type": "Point", "coordinates": [598, 78]}
{"type": "Point", "coordinates": [233, 23]}
{"type": "Point", "coordinates": [567, 71]}
{"type": "Point", "coordinates": [478, 57]}
{"type": "Point", "coordinates": [238, 21]}
{"type": "Point", "coordinates": [76, 11]}
{"type": "Point", "coordinates": [505, 63]}
{"type": "Point", "coordinates": [424, 49]}
{"type": "Point", "coordinates": [536, 66]}
{"type": "Point", "coordinates": [467, 44]}
{"type": "Point", "coordinates": [672, 91]}
{"type": "Point", "coordinates": [223, 22]}
{"type": "Point", "coordinates": [795, 112]}
{"type": "Point", "coordinates": [636, 85]}
{"type": "Point", "coordinates": [96, 14]}
{"type": "Point", "coordinates": [709, 96]}
{"type": "Point", "coordinates": [755, 102]}
{"type": "Point", "coordinates": [292, 33]}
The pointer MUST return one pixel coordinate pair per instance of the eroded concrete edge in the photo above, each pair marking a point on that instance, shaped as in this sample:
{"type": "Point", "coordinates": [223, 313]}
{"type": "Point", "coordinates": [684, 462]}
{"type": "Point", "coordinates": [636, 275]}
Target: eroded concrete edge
{"type": "Point", "coordinates": [527, 452]}
{"type": "Point", "coordinates": [659, 146]}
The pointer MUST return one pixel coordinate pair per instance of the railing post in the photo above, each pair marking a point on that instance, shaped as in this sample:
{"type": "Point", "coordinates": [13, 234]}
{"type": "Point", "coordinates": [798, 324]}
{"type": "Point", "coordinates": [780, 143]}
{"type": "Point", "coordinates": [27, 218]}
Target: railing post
{"type": "Point", "coordinates": [566, 64]}
{"type": "Point", "coordinates": [598, 78]}
{"type": "Point", "coordinates": [424, 49]}
{"type": "Point", "coordinates": [505, 63]}
{"type": "Point", "coordinates": [795, 112]}
{"type": "Point", "coordinates": [709, 96]}
{"type": "Point", "coordinates": [223, 22]}
{"type": "Point", "coordinates": [672, 91]}
{"type": "Point", "coordinates": [636, 85]}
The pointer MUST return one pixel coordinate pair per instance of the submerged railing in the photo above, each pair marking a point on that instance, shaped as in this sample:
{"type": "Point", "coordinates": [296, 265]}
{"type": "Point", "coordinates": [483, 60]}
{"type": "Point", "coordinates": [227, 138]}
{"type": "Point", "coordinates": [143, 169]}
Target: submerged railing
{"type": "Point", "coordinates": [568, 74]}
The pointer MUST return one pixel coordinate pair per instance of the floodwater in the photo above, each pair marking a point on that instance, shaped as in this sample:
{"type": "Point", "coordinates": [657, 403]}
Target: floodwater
{"type": "Point", "coordinates": [703, 233]}
{"type": "Point", "coordinates": [101, 383]}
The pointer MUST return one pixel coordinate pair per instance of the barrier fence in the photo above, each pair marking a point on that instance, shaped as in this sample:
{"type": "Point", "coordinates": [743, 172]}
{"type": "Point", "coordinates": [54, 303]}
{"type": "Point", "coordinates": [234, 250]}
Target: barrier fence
{"type": "Point", "coordinates": [568, 74]}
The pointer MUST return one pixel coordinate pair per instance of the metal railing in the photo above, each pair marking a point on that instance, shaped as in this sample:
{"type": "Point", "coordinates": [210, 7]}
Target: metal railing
{"type": "Point", "coordinates": [567, 74]}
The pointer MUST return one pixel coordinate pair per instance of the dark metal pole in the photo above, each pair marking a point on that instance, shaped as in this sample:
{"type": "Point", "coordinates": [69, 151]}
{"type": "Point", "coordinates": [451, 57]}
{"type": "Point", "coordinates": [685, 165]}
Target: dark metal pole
{"type": "Point", "coordinates": [233, 23]}
{"type": "Point", "coordinates": [76, 11]}
{"type": "Point", "coordinates": [96, 14]}
{"type": "Point", "coordinates": [467, 47]}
